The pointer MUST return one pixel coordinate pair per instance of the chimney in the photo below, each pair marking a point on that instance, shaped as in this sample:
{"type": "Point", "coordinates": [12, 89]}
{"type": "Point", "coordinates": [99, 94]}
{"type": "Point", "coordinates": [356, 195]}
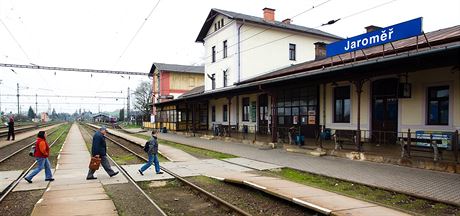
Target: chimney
{"type": "Point", "coordinates": [287, 21]}
{"type": "Point", "coordinates": [269, 14]}
{"type": "Point", "coordinates": [372, 28]}
{"type": "Point", "coordinates": [320, 50]}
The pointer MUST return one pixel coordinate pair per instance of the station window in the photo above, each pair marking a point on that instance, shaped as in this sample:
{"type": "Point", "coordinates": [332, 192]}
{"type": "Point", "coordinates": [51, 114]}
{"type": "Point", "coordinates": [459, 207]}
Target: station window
{"type": "Point", "coordinates": [213, 113]}
{"type": "Point", "coordinates": [342, 104]}
{"type": "Point", "coordinates": [245, 109]}
{"type": "Point", "coordinates": [213, 51]}
{"type": "Point", "coordinates": [225, 113]}
{"type": "Point", "coordinates": [438, 105]}
{"type": "Point", "coordinates": [292, 52]}
{"type": "Point", "coordinates": [225, 49]}
{"type": "Point", "coordinates": [225, 77]}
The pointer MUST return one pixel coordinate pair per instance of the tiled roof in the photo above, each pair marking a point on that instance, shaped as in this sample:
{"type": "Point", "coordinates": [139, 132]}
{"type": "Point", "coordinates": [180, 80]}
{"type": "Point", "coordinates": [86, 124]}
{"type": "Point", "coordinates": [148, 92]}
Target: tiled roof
{"type": "Point", "coordinates": [261, 21]}
{"type": "Point", "coordinates": [435, 38]}
{"type": "Point", "coordinates": [176, 68]}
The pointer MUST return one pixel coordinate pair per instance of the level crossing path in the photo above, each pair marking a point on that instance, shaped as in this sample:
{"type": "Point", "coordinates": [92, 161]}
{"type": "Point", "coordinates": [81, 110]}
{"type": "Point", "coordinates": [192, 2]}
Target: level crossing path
{"type": "Point", "coordinates": [71, 193]}
{"type": "Point", "coordinates": [444, 187]}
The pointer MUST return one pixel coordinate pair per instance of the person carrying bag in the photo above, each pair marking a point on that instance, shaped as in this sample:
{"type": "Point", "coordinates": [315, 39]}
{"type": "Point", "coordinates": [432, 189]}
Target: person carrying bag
{"type": "Point", "coordinates": [41, 154]}
{"type": "Point", "coordinates": [99, 155]}
{"type": "Point", "coordinates": [95, 163]}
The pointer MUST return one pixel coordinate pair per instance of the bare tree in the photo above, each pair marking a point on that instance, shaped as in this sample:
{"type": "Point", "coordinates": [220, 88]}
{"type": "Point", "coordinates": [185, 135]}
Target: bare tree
{"type": "Point", "coordinates": [143, 100]}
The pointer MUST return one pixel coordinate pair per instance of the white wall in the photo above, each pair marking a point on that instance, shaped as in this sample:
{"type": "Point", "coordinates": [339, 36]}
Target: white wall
{"type": "Point", "coordinates": [269, 51]}
{"type": "Point", "coordinates": [262, 51]}
{"type": "Point", "coordinates": [228, 32]}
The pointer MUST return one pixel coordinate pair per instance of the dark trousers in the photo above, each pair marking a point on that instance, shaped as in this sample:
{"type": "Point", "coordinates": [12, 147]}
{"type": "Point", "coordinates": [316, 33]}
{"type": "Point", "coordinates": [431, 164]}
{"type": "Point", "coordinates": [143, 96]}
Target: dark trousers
{"type": "Point", "coordinates": [105, 164]}
{"type": "Point", "coordinates": [10, 133]}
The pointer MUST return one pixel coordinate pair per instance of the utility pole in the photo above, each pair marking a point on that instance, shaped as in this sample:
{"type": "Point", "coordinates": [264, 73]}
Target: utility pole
{"type": "Point", "coordinates": [18, 101]}
{"type": "Point", "coordinates": [128, 100]}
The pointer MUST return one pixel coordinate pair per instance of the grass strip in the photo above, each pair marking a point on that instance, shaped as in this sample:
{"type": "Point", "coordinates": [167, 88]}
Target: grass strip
{"type": "Point", "coordinates": [190, 149]}
{"type": "Point", "coordinates": [367, 193]}
{"type": "Point", "coordinates": [197, 151]}
{"type": "Point", "coordinates": [56, 148]}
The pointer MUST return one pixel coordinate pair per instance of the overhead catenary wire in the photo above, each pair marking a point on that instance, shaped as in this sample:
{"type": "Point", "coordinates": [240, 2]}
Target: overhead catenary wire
{"type": "Point", "coordinates": [287, 36]}
{"type": "Point", "coordinates": [15, 40]}
{"type": "Point", "coordinates": [271, 27]}
{"type": "Point", "coordinates": [138, 30]}
{"type": "Point", "coordinates": [333, 21]}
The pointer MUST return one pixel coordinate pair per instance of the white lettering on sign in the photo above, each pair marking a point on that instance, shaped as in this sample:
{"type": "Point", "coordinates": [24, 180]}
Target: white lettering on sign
{"type": "Point", "coordinates": [384, 36]}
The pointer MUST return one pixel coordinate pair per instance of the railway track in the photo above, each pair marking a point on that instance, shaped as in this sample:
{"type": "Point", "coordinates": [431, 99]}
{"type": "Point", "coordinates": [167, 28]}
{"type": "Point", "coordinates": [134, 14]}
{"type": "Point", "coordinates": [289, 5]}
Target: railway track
{"type": "Point", "coordinates": [129, 178]}
{"type": "Point", "coordinates": [18, 130]}
{"type": "Point", "coordinates": [12, 150]}
{"type": "Point", "coordinates": [10, 188]}
{"type": "Point", "coordinates": [116, 140]}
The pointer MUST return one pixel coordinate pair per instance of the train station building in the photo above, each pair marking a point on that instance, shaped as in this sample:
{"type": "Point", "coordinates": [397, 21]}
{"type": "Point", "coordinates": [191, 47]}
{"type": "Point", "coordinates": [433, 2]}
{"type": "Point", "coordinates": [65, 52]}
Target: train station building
{"type": "Point", "coordinates": [284, 85]}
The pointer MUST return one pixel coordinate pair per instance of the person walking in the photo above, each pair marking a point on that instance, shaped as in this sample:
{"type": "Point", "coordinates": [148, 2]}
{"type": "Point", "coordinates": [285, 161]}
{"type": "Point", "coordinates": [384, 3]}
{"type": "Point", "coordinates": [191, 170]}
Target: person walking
{"type": "Point", "coordinates": [41, 154]}
{"type": "Point", "coordinates": [153, 155]}
{"type": "Point", "coordinates": [99, 149]}
{"type": "Point", "coordinates": [11, 128]}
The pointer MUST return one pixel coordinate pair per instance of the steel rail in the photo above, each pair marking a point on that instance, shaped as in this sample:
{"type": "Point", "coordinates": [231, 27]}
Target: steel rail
{"type": "Point", "coordinates": [23, 129]}
{"type": "Point", "coordinates": [23, 174]}
{"type": "Point", "coordinates": [201, 190]}
{"type": "Point", "coordinates": [21, 149]}
{"type": "Point", "coordinates": [131, 180]}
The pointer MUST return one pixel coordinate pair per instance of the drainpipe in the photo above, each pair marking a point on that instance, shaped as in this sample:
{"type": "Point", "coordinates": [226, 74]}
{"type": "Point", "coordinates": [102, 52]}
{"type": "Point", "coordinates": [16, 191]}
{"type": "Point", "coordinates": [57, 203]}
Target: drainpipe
{"type": "Point", "coordinates": [239, 51]}
{"type": "Point", "coordinates": [239, 75]}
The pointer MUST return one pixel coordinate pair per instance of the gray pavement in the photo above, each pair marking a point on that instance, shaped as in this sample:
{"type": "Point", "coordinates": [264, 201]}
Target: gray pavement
{"type": "Point", "coordinates": [433, 185]}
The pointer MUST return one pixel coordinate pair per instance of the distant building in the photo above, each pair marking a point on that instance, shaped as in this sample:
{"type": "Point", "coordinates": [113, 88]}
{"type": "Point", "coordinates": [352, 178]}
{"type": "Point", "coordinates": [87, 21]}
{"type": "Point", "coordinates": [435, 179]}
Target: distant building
{"type": "Point", "coordinates": [44, 117]}
{"type": "Point", "coordinates": [171, 80]}
{"type": "Point", "coordinates": [104, 118]}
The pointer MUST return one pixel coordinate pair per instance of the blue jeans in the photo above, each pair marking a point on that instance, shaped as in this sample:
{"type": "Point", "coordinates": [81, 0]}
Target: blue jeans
{"type": "Point", "coordinates": [152, 159]}
{"type": "Point", "coordinates": [41, 163]}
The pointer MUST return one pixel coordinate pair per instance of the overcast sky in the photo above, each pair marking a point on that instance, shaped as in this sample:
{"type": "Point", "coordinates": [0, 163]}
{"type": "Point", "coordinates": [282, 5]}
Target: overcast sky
{"type": "Point", "coordinates": [94, 34]}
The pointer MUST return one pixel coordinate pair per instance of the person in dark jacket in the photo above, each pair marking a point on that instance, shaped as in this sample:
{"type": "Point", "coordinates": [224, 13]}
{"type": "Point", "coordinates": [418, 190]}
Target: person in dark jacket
{"type": "Point", "coordinates": [41, 154]}
{"type": "Point", "coordinates": [99, 149]}
{"type": "Point", "coordinates": [153, 155]}
{"type": "Point", "coordinates": [11, 128]}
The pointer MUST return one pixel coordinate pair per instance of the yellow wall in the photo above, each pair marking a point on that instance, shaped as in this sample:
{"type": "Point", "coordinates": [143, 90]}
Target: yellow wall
{"type": "Point", "coordinates": [411, 111]}
{"type": "Point", "coordinates": [186, 81]}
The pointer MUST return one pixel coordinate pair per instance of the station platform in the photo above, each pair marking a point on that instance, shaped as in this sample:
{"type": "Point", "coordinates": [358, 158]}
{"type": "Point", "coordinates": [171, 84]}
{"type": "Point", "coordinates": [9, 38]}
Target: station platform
{"type": "Point", "coordinates": [71, 193]}
{"type": "Point", "coordinates": [24, 135]}
{"type": "Point", "coordinates": [172, 154]}
{"type": "Point", "coordinates": [240, 170]}
{"type": "Point", "coordinates": [439, 186]}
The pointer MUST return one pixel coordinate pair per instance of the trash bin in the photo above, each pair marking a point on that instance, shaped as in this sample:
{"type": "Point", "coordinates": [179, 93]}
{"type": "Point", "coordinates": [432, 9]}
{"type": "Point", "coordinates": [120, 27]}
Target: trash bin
{"type": "Point", "coordinates": [245, 129]}
{"type": "Point", "coordinates": [164, 130]}
{"type": "Point", "coordinates": [326, 134]}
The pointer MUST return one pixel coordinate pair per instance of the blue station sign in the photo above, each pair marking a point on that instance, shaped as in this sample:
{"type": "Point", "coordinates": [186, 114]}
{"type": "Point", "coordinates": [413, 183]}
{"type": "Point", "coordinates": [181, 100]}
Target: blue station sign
{"type": "Point", "coordinates": [396, 32]}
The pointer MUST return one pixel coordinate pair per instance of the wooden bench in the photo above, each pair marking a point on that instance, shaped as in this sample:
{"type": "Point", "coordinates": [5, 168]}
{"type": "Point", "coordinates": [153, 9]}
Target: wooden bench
{"type": "Point", "coordinates": [342, 137]}
{"type": "Point", "coordinates": [427, 142]}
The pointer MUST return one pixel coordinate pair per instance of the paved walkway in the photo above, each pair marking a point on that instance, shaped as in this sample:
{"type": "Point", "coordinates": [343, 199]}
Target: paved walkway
{"type": "Point", "coordinates": [71, 193]}
{"type": "Point", "coordinates": [316, 199]}
{"type": "Point", "coordinates": [433, 185]}
{"type": "Point", "coordinates": [24, 135]}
